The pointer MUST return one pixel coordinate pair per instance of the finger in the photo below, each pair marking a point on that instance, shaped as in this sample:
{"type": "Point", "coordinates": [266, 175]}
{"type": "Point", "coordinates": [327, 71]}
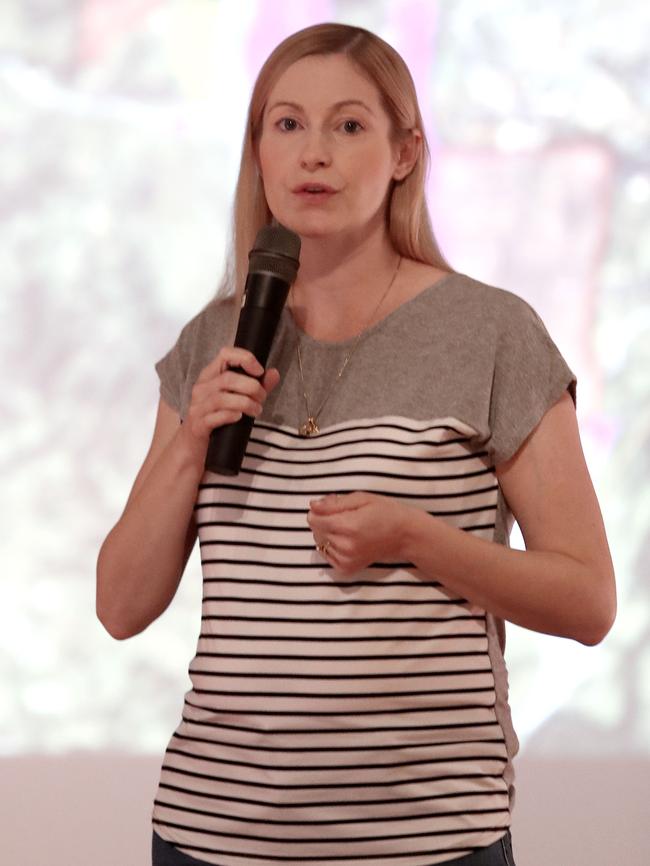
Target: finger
{"type": "Point", "coordinates": [220, 418]}
{"type": "Point", "coordinates": [201, 425]}
{"type": "Point", "coordinates": [237, 403]}
{"type": "Point", "coordinates": [224, 400]}
{"type": "Point", "coordinates": [240, 384]}
{"type": "Point", "coordinates": [326, 547]}
{"type": "Point", "coordinates": [324, 504]}
{"type": "Point", "coordinates": [245, 359]}
{"type": "Point", "coordinates": [326, 525]}
{"type": "Point", "coordinates": [231, 356]}
{"type": "Point", "coordinates": [271, 379]}
{"type": "Point", "coordinates": [337, 561]}
{"type": "Point", "coordinates": [330, 504]}
{"type": "Point", "coordinates": [357, 499]}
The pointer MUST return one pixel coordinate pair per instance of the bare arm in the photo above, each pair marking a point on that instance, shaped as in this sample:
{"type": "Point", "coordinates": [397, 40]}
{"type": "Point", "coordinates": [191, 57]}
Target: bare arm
{"type": "Point", "coordinates": [562, 584]}
{"type": "Point", "coordinates": [141, 562]}
{"type": "Point", "coordinates": [142, 559]}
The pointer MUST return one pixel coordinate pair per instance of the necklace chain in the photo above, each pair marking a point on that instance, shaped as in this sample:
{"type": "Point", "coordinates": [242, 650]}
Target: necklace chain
{"type": "Point", "coordinates": [310, 426]}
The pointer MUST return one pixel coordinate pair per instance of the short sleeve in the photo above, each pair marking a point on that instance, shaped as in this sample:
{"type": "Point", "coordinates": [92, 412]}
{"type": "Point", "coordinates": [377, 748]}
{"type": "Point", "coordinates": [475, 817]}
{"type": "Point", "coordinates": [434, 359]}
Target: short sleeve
{"type": "Point", "coordinates": [167, 369]}
{"type": "Point", "coordinates": [530, 376]}
{"type": "Point", "coordinates": [197, 344]}
{"type": "Point", "coordinates": [172, 369]}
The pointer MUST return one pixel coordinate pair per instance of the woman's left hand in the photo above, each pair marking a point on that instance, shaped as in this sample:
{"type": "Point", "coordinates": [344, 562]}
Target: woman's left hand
{"type": "Point", "coordinates": [357, 529]}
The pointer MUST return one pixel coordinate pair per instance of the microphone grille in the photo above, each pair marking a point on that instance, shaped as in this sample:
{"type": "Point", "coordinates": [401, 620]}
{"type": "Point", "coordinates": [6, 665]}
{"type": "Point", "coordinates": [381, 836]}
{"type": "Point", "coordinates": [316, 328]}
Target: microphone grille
{"type": "Point", "coordinates": [276, 249]}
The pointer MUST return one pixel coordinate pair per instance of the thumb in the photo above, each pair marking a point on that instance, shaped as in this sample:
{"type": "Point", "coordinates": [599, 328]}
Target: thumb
{"type": "Point", "coordinates": [329, 504]}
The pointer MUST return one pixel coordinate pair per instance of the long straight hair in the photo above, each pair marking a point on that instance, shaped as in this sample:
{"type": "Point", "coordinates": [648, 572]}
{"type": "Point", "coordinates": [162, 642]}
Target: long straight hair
{"type": "Point", "coordinates": [408, 220]}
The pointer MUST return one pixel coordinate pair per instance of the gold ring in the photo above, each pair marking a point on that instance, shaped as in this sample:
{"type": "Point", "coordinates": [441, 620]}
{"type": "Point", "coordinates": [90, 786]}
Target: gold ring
{"type": "Point", "coordinates": [322, 548]}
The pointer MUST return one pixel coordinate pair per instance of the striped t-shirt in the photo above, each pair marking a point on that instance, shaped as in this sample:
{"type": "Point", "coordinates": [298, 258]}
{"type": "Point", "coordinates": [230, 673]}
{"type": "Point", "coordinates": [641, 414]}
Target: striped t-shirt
{"type": "Point", "coordinates": [363, 719]}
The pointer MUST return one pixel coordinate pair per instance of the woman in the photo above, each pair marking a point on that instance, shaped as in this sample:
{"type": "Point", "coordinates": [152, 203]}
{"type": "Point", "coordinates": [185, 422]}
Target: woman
{"type": "Point", "coordinates": [349, 699]}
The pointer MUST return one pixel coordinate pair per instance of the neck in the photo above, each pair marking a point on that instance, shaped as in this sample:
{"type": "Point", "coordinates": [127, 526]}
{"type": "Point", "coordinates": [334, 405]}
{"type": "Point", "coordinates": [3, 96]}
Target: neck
{"type": "Point", "coordinates": [339, 284]}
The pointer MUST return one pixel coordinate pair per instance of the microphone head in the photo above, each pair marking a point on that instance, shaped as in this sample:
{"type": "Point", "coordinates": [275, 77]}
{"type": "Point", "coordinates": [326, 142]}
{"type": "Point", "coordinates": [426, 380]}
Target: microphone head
{"type": "Point", "coordinates": [276, 249]}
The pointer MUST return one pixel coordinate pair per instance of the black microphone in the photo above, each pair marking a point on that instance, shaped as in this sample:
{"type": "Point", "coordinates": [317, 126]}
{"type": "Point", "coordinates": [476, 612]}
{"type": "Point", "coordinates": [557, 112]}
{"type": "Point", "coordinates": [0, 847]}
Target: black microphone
{"type": "Point", "coordinates": [272, 268]}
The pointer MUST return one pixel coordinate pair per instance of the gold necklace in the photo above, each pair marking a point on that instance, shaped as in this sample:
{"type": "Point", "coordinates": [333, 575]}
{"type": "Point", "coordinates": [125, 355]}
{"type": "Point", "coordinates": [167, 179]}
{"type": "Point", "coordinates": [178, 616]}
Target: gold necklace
{"type": "Point", "coordinates": [310, 426]}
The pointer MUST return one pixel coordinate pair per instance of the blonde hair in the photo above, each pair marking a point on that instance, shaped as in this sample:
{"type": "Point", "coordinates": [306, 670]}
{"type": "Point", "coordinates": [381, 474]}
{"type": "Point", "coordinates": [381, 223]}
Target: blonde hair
{"type": "Point", "coordinates": [408, 220]}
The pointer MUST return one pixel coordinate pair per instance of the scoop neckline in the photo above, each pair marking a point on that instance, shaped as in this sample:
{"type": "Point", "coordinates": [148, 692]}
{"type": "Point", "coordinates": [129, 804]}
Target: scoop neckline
{"type": "Point", "coordinates": [343, 344]}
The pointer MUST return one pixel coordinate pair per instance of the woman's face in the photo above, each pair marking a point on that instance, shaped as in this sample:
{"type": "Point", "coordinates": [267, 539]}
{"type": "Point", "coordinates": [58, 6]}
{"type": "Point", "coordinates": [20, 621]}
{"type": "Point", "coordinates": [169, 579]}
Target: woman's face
{"type": "Point", "coordinates": [324, 125]}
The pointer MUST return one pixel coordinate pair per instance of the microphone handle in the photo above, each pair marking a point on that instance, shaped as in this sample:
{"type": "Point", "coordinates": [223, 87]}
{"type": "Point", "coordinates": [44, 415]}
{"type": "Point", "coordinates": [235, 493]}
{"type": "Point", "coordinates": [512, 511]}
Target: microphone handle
{"type": "Point", "coordinates": [255, 332]}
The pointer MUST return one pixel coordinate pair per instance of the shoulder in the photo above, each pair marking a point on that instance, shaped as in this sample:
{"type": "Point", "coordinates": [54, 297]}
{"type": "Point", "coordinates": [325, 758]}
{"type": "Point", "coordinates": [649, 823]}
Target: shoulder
{"type": "Point", "coordinates": [217, 311]}
{"type": "Point", "coordinates": [486, 298]}
{"type": "Point", "coordinates": [420, 276]}
{"type": "Point", "coordinates": [476, 304]}
{"type": "Point", "coordinates": [209, 327]}
{"type": "Point", "coordinates": [200, 338]}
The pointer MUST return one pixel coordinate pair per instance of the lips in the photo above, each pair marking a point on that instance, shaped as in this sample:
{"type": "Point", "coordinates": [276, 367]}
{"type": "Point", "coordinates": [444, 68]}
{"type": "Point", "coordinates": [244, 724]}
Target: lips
{"type": "Point", "coordinates": [314, 188]}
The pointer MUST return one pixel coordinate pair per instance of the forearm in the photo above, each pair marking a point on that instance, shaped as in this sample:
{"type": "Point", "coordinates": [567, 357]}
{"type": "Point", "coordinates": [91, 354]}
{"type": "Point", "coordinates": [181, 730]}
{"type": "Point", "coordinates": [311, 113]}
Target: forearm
{"type": "Point", "coordinates": [142, 559]}
{"type": "Point", "coordinates": [545, 591]}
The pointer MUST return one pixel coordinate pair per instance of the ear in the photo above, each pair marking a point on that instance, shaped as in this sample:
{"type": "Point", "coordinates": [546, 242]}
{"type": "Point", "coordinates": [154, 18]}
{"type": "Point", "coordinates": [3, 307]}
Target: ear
{"type": "Point", "coordinates": [407, 152]}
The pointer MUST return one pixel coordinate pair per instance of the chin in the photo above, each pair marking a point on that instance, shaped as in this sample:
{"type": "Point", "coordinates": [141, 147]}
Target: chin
{"type": "Point", "coordinates": [311, 226]}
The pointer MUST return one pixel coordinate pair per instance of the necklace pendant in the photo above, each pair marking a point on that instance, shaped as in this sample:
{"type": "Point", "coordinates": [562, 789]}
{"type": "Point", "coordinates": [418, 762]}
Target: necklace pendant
{"type": "Point", "coordinates": [309, 428]}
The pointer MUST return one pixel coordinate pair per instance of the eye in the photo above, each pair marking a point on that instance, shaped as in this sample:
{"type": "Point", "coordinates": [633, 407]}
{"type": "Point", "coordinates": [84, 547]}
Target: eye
{"type": "Point", "coordinates": [286, 120]}
{"type": "Point", "coordinates": [347, 124]}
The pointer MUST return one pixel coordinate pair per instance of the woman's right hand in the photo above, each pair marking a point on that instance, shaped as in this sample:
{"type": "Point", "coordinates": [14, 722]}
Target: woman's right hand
{"type": "Point", "coordinates": [220, 396]}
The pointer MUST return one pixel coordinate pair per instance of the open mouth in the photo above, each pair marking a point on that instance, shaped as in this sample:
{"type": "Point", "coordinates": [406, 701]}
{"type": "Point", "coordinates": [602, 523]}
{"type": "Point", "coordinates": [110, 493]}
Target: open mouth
{"type": "Point", "coordinates": [315, 193]}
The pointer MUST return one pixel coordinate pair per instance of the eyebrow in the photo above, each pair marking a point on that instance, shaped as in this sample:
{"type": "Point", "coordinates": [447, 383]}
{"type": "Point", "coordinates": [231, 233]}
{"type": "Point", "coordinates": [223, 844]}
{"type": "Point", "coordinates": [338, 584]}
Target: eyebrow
{"type": "Point", "coordinates": [335, 107]}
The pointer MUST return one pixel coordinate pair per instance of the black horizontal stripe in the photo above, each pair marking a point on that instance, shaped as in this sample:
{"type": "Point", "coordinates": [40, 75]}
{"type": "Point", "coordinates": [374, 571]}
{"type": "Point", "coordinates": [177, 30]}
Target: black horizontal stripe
{"type": "Point", "coordinates": [238, 524]}
{"type": "Point", "coordinates": [311, 713]}
{"type": "Point", "coordinates": [325, 803]}
{"type": "Point", "coordinates": [364, 428]}
{"type": "Point", "coordinates": [332, 841]}
{"type": "Point", "coordinates": [226, 542]}
{"type": "Point", "coordinates": [390, 747]}
{"type": "Point", "coordinates": [325, 566]}
{"type": "Point", "coordinates": [240, 506]}
{"type": "Point", "coordinates": [330, 658]}
{"type": "Point", "coordinates": [420, 477]}
{"type": "Point", "coordinates": [340, 621]}
{"type": "Point", "coordinates": [402, 675]}
{"type": "Point", "coordinates": [311, 547]}
{"type": "Point", "coordinates": [345, 639]}
{"type": "Point", "coordinates": [393, 729]}
{"type": "Point", "coordinates": [384, 783]}
{"type": "Point", "coordinates": [457, 476]}
{"type": "Point", "coordinates": [328, 696]}
{"type": "Point", "coordinates": [335, 768]}
{"type": "Point", "coordinates": [373, 424]}
{"type": "Point", "coordinates": [423, 583]}
{"type": "Point", "coordinates": [334, 603]}
{"type": "Point", "coordinates": [346, 584]}
{"type": "Point", "coordinates": [325, 823]}
{"type": "Point", "coordinates": [393, 455]}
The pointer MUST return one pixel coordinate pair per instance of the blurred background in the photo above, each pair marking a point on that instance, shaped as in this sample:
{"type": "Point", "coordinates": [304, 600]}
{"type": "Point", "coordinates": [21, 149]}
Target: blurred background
{"type": "Point", "coordinates": [121, 124]}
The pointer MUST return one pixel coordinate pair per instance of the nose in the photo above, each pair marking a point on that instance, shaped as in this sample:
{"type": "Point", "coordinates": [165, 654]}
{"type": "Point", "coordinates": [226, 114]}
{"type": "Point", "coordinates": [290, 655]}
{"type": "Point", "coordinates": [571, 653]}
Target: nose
{"type": "Point", "coordinates": [315, 153]}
